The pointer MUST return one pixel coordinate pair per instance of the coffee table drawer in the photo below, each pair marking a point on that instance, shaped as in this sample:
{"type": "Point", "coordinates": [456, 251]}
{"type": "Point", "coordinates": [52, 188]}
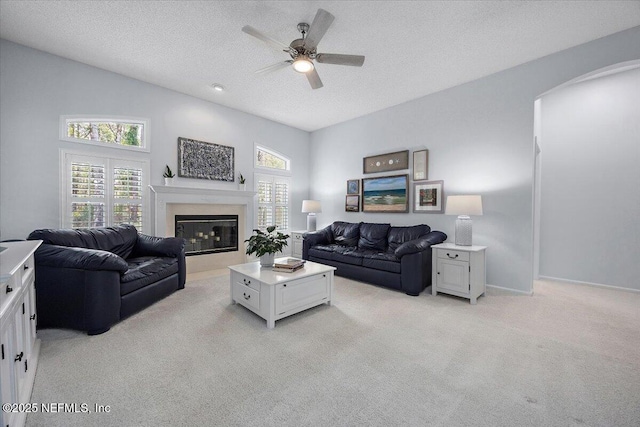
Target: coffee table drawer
{"type": "Point", "coordinates": [246, 296]}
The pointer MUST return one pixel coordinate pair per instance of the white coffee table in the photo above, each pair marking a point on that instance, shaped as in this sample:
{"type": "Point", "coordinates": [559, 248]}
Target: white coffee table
{"type": "Point", "coordinates": [274, 295]}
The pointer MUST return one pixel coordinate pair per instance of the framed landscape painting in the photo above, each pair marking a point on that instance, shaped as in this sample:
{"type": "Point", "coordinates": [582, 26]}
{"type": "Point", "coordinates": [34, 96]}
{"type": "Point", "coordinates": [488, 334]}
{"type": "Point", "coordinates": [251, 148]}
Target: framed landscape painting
{"type": "Point", "coordinates": [352, 204]}
{"type": "Point", "coordinates": [428, 197]}
{"type": "Point", "coordinates": [385, 194]}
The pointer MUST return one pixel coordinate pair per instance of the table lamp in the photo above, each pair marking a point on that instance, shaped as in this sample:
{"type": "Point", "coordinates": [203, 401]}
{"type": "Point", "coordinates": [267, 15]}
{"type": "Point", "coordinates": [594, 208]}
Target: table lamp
{"type": "Point", "coordinates": [463, 206]}
{"type": "Point", "coordinates": [311, 207]}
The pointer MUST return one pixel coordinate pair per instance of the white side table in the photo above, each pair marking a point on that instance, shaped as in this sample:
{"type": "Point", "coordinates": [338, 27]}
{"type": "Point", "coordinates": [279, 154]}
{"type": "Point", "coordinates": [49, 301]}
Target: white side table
{"type": "Point", "coordinates": [459, 270]}
{"type": "Point", "coordinates": [297, 238]}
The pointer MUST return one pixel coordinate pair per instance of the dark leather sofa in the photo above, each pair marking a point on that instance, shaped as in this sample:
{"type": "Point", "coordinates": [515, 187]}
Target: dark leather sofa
{"type": "Point", "coordinates": [394, 257]}
{"type": "Point", "coordinates": [89, 279]}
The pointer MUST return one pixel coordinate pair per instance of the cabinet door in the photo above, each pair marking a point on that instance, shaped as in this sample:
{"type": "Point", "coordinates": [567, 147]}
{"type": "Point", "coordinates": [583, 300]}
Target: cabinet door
{"type": "Point", "coordinates": [20, 355]}
{"type": "Point", "coordinates": [8, 390]}
{"type": "Point", "coordinates": [301, 292]}
{"type": "Point", "coordinates": [453, 275]}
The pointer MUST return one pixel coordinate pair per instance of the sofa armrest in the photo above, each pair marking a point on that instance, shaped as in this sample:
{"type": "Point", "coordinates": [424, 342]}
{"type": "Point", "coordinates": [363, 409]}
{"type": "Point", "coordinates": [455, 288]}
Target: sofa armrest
{"type": "Point", "coordinates": [158, 246]}
{"type": "Point", "coordinates": [79, 258]}
{"type": "Point", "coordinates": [420, 244]}
{"type": "Point", "coordinates": [320, 237]}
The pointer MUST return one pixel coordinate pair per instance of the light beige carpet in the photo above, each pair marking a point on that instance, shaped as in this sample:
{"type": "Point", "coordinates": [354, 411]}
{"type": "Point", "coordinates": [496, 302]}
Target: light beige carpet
{"type": "Point", "coordinates": [569, 355]}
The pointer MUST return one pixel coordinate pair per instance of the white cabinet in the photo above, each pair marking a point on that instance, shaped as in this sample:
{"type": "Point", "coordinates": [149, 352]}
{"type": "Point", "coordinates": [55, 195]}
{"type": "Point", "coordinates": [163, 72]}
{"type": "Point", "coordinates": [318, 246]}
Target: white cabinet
{"type": "Point", "coordinates": [297, 238]}
{"type": "Point", "coordinates": [19, 345]}
{"type": "Point", "coordinates": [274, 295]}
{"type": "Point", "coordinates": [459, 270]}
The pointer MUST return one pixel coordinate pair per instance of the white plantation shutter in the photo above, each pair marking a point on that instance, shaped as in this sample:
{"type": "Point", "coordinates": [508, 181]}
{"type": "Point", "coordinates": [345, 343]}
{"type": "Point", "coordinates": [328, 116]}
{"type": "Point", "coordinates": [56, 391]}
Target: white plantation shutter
{"type": "Point", "coordinates": [127, 195]}
{"type": "Point", "coordinates": [87, 194]}
{"type": "Point", "coordinates": [273, 201]}
{"type": "Point", "coordinates": [102, 191]}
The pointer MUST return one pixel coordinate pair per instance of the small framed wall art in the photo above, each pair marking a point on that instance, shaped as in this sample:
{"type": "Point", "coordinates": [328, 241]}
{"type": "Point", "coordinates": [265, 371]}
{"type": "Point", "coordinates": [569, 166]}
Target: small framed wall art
{"type": "Point", "coordinates": [353, 186]}
{"type": "Point", "coordinates": [420, 165]}
{"type": "Point", "coordinates": [386, 162]}
{"type": "Point", "coordinates": [385, 194]}
{"type": "Point", "coordinates": [428, 197]}
{"type": "Point", "coordinates": [352, 203]}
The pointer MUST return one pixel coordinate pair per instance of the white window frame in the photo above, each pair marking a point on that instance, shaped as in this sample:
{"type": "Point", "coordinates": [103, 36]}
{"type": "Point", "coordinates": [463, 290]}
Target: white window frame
{"type": "Point", "coordinates": [146, 139]}
{"type": "Point", "coordinates": [68, 156]}
{"type": "Point", "coordinates": [274, 178]}
{"type": "Point", "coordinates": [268, 170]}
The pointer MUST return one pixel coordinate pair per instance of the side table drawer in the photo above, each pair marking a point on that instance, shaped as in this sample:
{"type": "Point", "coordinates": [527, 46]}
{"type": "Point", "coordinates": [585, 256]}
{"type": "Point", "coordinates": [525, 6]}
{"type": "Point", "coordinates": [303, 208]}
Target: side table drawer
{"type": "Point", "coordinates": [246, 296]}
{"type": "Point", "coordinates": [453, 255]}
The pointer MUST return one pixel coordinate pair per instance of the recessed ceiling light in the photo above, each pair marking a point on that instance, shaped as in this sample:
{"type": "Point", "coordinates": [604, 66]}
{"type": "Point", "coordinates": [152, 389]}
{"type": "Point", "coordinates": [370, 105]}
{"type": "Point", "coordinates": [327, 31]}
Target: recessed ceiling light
{"type": "Point", "coordinates": [217, 87]}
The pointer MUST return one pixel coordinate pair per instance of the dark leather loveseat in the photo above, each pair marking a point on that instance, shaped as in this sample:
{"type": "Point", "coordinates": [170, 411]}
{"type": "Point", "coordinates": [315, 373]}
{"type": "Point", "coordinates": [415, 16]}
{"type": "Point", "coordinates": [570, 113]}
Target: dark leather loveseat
{"type": "Point", "coordinates": [89, 279]}
{"type": "Point", "coordinates": [394, 257]}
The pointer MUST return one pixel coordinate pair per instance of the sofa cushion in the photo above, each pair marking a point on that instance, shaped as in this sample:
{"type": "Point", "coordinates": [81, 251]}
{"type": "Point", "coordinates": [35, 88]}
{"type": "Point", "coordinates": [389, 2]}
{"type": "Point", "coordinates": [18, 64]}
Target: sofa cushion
{"type": "Point", "coordinates": [118, 239]}
{"type": "Point", "coordinates": [146, 270]}
{"type": "Point", "coordinates": [385, 261]}
{"type": "Point", "coordinates": [373, 236]}
{"type": "Point", "coordinates": [336, 252]}
{"type": "Point", "coordinates": [345, 233]}
{"type": "Point", "coordinates": [399, 235]}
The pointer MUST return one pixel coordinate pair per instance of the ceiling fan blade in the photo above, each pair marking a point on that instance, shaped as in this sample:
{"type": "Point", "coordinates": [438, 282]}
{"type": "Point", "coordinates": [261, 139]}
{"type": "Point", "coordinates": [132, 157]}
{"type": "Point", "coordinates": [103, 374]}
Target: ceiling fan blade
{"type": "Point", "coordinates": [265, 38]}
{"type": "Point", "coordinates": [274, 67]}
{"type": "Point", "coordinates": [338, 59]}
{"type": "Point", "coordinates": [319, 26]}
{"type": "Point", "coordinates": [314, 79]}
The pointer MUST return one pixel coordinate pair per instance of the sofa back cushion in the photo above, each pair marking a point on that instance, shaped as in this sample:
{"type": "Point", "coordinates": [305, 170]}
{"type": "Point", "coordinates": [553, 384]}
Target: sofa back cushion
{"type": "Point", "coordinates": [373, 236]}
{"type": "Point", "coordinates": [119, 239]}
{"type": "Point", "coordinates": [399, 235]}
{"type": "Point", "coordinates": [345, 233]}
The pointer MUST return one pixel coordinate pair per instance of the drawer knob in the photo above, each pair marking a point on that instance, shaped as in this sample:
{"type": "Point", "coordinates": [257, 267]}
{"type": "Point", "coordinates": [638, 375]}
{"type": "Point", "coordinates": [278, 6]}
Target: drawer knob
{"type": "Point", "coordinates": [452, 257]}
{"type": "Point", "coordinates": [26, 267]}
{"type": "Point", "coordinates": [19, 357]}
{"type": "Point", "coordinates": [9, 289]}
{"type": "Point", "coordinates": [33, 317]}
{"type": "Point", "coordinates": [246, 296]}
{"type": "Point", "coordinates": [284, 286]}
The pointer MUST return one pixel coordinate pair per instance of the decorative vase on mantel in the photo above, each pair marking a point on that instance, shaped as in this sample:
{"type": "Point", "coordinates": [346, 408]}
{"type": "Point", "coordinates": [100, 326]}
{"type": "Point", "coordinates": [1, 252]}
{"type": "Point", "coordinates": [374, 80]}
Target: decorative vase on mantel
{"type": "Point", "coordinates": [168, 181]}
{"type": "Point", "coordinates": [267, 260]}
{"type": "Point", "coordinates": [242, 187]}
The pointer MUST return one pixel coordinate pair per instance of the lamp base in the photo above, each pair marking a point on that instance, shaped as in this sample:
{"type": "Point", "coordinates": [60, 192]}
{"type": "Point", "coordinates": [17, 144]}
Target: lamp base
{"type": "Point", "coordinates": [463, 230]}
{"type": "Point", "coordinates": [311, 222]}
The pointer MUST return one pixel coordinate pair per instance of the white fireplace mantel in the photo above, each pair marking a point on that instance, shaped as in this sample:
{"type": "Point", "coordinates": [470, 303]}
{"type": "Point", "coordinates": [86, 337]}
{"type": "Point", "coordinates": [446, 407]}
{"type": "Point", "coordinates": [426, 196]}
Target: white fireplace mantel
{"type": "Point", "coordinates": [161, 195]}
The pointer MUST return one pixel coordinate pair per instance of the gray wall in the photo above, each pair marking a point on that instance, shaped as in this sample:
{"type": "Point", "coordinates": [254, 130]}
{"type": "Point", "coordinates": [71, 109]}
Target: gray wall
{"type": "Point", "coordinates": [480, 141]}
{"type": "Point", "coordinates": [36, 88]}
{"type": "Point", "coordinates": [590, 174]}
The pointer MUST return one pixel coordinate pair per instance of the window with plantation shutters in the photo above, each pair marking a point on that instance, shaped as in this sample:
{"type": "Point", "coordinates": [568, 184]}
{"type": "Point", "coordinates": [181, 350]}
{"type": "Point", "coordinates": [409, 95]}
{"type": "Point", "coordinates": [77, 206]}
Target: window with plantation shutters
{"type": "Point", "coordinates": [273, 205]}
{"type": "Point", "coordinates": [103, 191]}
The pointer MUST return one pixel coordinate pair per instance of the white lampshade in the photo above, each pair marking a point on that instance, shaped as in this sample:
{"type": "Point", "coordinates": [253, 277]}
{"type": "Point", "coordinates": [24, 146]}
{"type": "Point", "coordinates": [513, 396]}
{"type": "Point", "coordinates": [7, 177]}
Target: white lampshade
{"type": "Point", "coordinates": [464, 205]}
{"type": "Point", "coordinates": [311, 206]}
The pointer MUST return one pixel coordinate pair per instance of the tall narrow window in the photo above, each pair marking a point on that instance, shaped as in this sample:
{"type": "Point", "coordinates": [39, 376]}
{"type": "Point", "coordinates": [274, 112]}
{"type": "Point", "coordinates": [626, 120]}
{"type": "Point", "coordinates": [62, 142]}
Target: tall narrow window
{"type": "Point", "coordinates": [273, 201]}
{"type": "Point", "coordinates": [103, 191]}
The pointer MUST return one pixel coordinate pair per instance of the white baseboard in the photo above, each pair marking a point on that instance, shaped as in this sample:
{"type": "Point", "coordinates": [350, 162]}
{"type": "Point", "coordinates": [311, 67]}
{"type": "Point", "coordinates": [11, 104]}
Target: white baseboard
{"type": "Point", "coordinates": [515, 291]}
{"type": "Point", "coordinates": [578, 282]}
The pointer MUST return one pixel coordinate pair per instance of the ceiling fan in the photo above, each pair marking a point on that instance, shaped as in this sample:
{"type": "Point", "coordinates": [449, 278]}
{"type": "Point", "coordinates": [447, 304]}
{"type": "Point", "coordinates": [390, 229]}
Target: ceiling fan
{"type": "Point", "coordinates": [303, 50]}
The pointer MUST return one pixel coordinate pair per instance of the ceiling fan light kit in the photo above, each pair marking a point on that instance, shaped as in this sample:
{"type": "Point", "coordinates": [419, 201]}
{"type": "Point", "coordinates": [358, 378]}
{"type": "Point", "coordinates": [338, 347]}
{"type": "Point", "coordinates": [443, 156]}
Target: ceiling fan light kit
{"type": "Point", "coordinates": [303, 51]}
{"type": "Point", "coordinates": [303, 65]}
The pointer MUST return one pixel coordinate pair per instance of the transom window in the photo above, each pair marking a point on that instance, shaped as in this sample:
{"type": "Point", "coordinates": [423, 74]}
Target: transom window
{"type": "Point", "coordinates": [115, 132]}
{"type": "Point", "coordinates": [266, 158]}
{"type": "Point", "coordinates": [103, 191]}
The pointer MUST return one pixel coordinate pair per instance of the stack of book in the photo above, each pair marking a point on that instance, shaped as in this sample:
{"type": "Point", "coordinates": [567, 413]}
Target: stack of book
{"type": "Point", "coordinates": [288, 265]}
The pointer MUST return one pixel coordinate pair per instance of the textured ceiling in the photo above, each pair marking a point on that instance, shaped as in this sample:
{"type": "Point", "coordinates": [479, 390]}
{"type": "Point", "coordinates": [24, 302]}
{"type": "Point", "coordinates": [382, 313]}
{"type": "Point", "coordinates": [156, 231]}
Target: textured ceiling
{"type": "Point", "coordinates": [412, 48]}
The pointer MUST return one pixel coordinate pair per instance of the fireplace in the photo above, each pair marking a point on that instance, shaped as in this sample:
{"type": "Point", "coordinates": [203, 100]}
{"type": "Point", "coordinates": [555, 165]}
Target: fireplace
{"type": "Point", "coordinates": [207, 234]}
